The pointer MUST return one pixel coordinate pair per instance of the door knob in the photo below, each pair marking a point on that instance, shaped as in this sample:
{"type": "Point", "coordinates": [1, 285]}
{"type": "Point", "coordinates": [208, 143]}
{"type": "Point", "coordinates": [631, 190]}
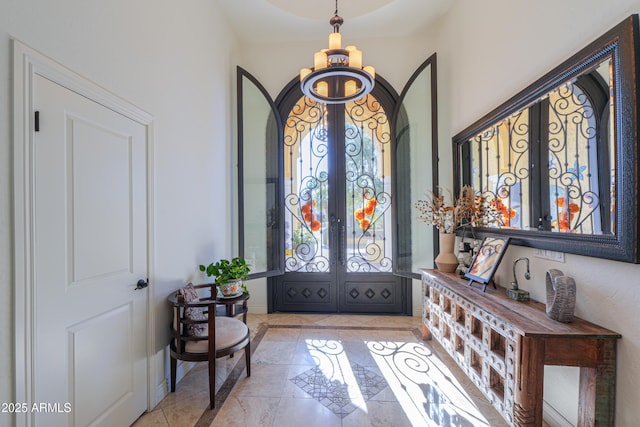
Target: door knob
{"type": "Point", "coordinates": [142, 283]}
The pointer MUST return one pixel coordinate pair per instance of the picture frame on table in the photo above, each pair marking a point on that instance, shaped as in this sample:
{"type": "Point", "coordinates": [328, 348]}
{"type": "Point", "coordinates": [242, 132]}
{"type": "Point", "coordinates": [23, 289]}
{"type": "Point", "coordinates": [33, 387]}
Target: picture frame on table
{"type": "Point", "coordinates": [486, 261]}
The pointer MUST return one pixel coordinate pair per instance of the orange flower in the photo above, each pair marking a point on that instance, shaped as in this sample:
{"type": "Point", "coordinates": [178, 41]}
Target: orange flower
{"type": "Point", "coordinates": [309, 217]}
{"type": "Point", "coordinates": [369, 210]}
{"type": "Point", "coordinates": [359, 214]}
{"type": "Point", "coordinates": [306, 208]}
{"type": "Point", "coordinates": [315, 225]}
{"type": "Point", "coordinates": [372, 203]}
{"type": "Point", "coordinates": [574, 208]}
{"type": "Point", "coordinates": [561, 225]}
{"type": "Point", "coordinates": [560, 201]}
{"type": "Point", "coordinates": [563, 222]}
{"type": "Point", "coordinates": [364, 223]}
{"type": "Point", "coordinates": [564, 225]}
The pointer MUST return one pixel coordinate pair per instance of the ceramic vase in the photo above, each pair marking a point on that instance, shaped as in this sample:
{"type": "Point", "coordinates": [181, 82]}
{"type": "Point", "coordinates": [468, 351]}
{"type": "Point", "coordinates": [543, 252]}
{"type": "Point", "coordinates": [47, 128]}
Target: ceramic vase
{"type": "Point", "coordinates": [446, 261]}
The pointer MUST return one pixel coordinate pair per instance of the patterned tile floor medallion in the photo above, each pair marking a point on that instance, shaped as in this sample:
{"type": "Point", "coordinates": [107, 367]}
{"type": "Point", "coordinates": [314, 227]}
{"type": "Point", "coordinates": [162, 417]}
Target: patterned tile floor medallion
{"type": "Point", "coordinates": [334, 394]}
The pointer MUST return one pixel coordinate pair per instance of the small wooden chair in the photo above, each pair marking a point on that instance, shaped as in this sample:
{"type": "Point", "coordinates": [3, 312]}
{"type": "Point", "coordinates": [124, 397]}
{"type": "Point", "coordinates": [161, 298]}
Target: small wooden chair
{"type": "Point", "coordinates": [201, 336]}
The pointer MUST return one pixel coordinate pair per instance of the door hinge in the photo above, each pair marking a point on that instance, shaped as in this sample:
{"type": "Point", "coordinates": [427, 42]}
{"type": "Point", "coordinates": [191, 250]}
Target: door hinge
{"type": "Point", "coordinates": [37, 121]}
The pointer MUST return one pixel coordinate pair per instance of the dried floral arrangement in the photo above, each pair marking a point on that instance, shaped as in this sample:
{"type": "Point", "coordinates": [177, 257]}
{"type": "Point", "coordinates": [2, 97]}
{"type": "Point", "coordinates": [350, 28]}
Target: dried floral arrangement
{"type": "Point", "coordinates": [468, 209]}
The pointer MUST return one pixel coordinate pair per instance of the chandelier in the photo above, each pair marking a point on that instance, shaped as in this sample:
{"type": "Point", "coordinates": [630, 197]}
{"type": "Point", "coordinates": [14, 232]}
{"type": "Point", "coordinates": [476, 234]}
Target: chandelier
{"type": "Point", "coordinates": [337, 75]}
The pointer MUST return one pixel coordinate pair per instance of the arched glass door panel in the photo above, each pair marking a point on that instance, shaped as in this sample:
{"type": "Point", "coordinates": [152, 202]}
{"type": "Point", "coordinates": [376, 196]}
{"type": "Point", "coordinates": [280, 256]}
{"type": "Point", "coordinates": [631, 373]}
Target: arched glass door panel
{"type": "Point", "coordinates": [306, 188]}
{"type": "Point", "coordinates": [259, 135]}
{"type": "Point", "coordinates": [368, 180]}
{"type": "Point", "coordinates": [416, 168]}
{"type": "Point", "coordinates": [575, 194]}
{"type": "Point", "coordinates": [364, 231]}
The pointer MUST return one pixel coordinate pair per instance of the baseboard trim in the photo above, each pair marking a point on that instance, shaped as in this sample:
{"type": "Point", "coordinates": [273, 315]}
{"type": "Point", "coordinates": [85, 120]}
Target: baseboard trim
{"type": "Point", "coordinates": [162, 391]}
{"type": "Point", "coordinates": [257, 309]}
{"type": "Point", "coordinates": [553, 417]}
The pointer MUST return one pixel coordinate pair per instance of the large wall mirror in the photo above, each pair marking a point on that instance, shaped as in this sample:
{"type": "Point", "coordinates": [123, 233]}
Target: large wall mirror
{"type": "Point", "coordinates": [559, 161]}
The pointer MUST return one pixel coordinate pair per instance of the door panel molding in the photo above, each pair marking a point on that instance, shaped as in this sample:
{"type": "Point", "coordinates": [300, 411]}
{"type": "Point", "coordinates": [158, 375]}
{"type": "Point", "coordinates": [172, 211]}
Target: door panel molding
{"type": "Point", "coordinates": [83, 340]}
{"type": "Point", "coordinates": [118, 184]}
{"type": "Point", "coordinates": [27, 64]}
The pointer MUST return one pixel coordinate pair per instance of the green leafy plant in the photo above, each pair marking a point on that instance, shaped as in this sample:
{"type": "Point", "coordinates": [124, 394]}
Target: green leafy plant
{"type": "Point", "coordinates": [225, 271]}
{"type": "Point", "coordinates": [302, 236]}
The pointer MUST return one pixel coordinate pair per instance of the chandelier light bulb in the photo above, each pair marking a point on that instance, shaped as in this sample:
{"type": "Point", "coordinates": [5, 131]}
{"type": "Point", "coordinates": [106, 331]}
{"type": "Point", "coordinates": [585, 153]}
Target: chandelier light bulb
{"type": "Point", "coordinates": [335, 41]}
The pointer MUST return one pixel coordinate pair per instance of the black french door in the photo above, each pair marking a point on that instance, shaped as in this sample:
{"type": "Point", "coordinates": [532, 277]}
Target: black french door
{"type": "Point", "coordinates": [325, 194]}
{"type": "Point", "coordinates": [338, 216]}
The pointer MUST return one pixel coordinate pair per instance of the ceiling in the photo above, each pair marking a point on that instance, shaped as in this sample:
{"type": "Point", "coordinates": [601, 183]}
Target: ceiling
{"type": "Point", "coordinates": [276, 21]}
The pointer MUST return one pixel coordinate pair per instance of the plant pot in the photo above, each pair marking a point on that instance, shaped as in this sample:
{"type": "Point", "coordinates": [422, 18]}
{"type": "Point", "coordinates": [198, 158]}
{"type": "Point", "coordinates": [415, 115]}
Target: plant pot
{"type": "Point", "coordinates": [231, 288]}
{"type": "Point", "coordinates": [446, 261]}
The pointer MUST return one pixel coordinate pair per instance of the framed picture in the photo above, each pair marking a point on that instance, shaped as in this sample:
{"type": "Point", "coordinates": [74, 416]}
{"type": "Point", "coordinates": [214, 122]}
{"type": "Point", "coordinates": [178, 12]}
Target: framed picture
{"type": "Point", "coordinates": [486, 260]}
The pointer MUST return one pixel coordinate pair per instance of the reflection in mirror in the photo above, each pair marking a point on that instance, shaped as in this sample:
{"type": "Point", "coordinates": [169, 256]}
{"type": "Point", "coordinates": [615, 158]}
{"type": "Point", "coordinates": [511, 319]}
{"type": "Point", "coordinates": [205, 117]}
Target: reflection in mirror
{"type": "Point", "coordinates": [555, 158]}
{"type": "Point", "coordinates": [561, 143]}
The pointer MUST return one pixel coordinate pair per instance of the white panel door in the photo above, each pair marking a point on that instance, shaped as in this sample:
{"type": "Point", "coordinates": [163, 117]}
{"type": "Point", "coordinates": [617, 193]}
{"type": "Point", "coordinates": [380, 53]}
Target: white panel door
{"type": "Point", "coordinates": [90, 250]}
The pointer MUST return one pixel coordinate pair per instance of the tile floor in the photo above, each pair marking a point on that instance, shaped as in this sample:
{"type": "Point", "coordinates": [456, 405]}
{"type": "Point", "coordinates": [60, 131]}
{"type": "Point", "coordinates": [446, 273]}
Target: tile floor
{"type": "Point", "coordinates": [330, 370]}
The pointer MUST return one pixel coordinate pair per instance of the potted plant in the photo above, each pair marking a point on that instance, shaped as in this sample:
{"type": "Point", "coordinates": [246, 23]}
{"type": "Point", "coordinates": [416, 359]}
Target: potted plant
{"type": "Point", "coordinates": [229, 275]}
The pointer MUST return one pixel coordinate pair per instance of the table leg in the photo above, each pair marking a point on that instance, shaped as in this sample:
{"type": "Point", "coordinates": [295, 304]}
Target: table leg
{"type": "Point", "coordinates": [597, 403]}
{"type": "Point", "coordinates": [527, 405]}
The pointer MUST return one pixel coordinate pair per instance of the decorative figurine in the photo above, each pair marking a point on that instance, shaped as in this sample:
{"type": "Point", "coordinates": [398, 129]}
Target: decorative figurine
{"type": "Point", "coordinates": [561, 296]}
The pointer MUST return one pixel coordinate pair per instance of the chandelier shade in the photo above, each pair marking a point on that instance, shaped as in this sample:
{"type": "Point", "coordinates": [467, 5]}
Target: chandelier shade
{"type": "Point", "coordinates": [337, 75]}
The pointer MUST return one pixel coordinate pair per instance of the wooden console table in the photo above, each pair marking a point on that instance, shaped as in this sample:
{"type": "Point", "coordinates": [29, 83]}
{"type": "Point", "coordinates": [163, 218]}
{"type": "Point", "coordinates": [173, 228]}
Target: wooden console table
{"type": "Point", "coordinates": [503, 345]}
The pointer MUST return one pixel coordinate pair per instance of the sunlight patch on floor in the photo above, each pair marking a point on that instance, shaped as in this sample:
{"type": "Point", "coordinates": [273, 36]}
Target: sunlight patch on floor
{"type": "Point", "coordinates": [424, 386]}
{"type": "Point", "coordinates": [332, 360]}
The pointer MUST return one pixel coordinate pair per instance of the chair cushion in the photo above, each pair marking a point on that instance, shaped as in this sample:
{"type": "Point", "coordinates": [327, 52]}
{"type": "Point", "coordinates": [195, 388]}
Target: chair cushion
{"type": "Point", "coordinates": [229, 331]}
{"type": "Point", "coordinates": [189, 294]}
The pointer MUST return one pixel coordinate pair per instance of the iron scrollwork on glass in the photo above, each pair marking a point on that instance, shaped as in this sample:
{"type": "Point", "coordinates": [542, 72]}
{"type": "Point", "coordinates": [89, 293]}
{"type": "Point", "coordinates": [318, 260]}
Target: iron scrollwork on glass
{"type": "Point", "coordinates": [500, 168]}
{"type": "Point", "coordinates": [306, 187]}
{"type": "Point", "coordinates": [580, 176]}
{"type": "Point", "coordinates": [362, 234]}
{"type": "Point", "coordinates": [367, 160]}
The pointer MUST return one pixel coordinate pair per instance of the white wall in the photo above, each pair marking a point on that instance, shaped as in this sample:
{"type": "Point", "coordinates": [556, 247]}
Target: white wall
{"type": "Point", "coordinates": [173, 60]}
{"type": "Point", "coordinates": [487, 52]}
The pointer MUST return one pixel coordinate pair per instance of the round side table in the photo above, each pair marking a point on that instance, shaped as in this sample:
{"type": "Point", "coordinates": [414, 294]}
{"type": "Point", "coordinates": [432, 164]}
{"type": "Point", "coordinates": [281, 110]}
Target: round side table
{"type": "Point", "coordinates": [236, 306]}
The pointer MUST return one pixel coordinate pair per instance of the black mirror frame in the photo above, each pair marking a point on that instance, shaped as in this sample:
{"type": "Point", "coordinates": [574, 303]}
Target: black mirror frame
{"type": "Point", "coordinates": [622, 43]}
